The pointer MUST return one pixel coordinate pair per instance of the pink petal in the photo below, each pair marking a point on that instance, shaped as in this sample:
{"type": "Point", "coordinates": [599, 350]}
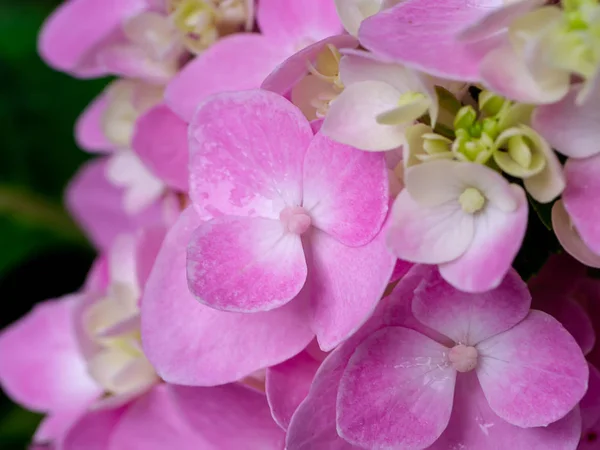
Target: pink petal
{"type": "Point", "coordinates": [160, 140]}
{"type": "Point", "coordinates": [237, 62]}
{"type": "Point", "coordinates": [569, 237]}
{"type": "Point", "coordinates": [497, 239]}
{"type": "Point", "coordinates": [396, 391]}
{"type": "Point", "coordinates": [149, 242]}
{"type": "Point", "coordinates": [345, 190]}
{"type": "Point", "coordinates": [130, 61]}
{"type": "Point", "coordinates": [287, 74]}
{"type": "Point", "coordinates": [505, 72]}
{"type": "Point", "coordinates": [88, 129]}
{"type": "Point", "coordinates": [97, 205]}
{"type": "Point", "coordinates": [590, 403]}
{"type": "Point", "coordinates": [313, 425]}
{"type": "Point", "coordinates": [154, 422]}
{"type": "Point", "coordinates": [93, 431]}
{"type": "Point", "coordinates": [471, 318]}
{"type": "Point", "coordinates": [247, 152]}
{"type": "Point", "coordinates": [429, 235]}
{"type": "Point", "coordinates": [78, 26]}
{"type": "Point", "coordinates": [570, 128]}
{"type": "Point", "coordinates": [55, 426]}
{"type": "Point", "coordinates": [534, 373]}
{"type": "Point", "coordinates": [40, 363]}
{"type": "Point", "coordinates": [474, 425]}
{"type": "Point", "coordinates": [192, 344]}
{"type": "Point", "coordinates": [244, 264]}
{"type": "Point", "coordinates": [423, 34]}
{"type": "Point", "coordinates": [291, 24]}
{"type": "Point", "coordinates": [231, 417]}
{"type": "Point", "coordinates": [287, 385]}
{"type": "Point", "coordinates": [345, 285]}
{"type": "Point", "coordinates": [580, 199]}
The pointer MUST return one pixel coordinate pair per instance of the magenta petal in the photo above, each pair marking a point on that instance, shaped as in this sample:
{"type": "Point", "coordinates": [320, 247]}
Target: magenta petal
{"type": "Point", "coordinates": [231, 417]}
{"type": "Point", "coordinates": [345, 190]}
{"type": "Point", "coordinates": [534, 373]}
{"type": "Point", "coordinates": [160, 140]}
{"type": "Point", "coordinates": [148, 244]}
{"type": "Point", "coordinates": [580, 199]}
{"type": "Point", "coordinates": [290, 23]}
{"type": "Point", "coordinates": [56, 424]}
{"type": "Point", "coordinates": [97, 205]}
{"type": "Point", "coordinates": [423, 34]}
{"type": "Point", "coordinates": [78, 26]}
{"type": "Point", "coordinates": [88, 130]}
{"type": "Point", "coordinates": [570, 128]}
{"type": "Point", "coordinates": [474, 425]}
{"type": "Point", "coordinates": [247, 152]}
{"type": "Point", "coordinates": [345, 285]}
{"type": "Point", "coordinates": [471, 318]}
{"type": "Point", "coordinates": [290, 71]}
{"type": "Point", "coordinates": [237, 62]}
{"type": "Point", "coordinates": [40, 363]}
{"type": "Point", "coordinates": [93, 431]}
{"type": "Point", "coordinates": [192, 344]}
{"type": "Point", "coordinates": [396, 391]}
{"type": "Point", "coordinates": [245, 264]}
{"type": "Point", "coordinates": [287, 385]}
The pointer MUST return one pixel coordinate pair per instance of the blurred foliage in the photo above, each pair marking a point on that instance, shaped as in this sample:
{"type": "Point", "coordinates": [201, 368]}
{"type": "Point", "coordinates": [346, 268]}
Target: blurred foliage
{"type": "Point", "coordinates": [44, 255]}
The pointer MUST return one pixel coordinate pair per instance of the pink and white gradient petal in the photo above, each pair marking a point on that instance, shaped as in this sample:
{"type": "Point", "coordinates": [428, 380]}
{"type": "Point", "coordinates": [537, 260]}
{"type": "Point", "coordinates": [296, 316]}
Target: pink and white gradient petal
{"type": "Point", "coordinates": [292, 25]}
{"type": "Point", "coordinates": [352, 117]}
{"type": "Point", "coordinates": [246, 155]}
{"type": "Point", "coordinates": [88, 130]}
{"type": "Point", "coordinates": [192, 344]}
{"type": "Point", "coordinates": [288, 384]}
{"type": "Point", "coordinates": [68, 35]}
{"type": "Point", "coordinates": [496, 241]}
{"type": "Point", "coordinates": [345, 285]}
{"type": "Point", "coordinates": [534, 373]}
{"type": "Point", "coordinates": [40, 364]}
{"type": "Point", "coordinates": [93, 430]}
{"type": "Point", "coordinates": [570, 128]}
{"type": "Point", "coordinates": [287, 74]}
{"type": "Point", "coordinates": [412, 403]}
{"type": "Point", "coordinates": [473, 425]}
{"type": "Point", "coordinates": [569, 237]}
{"type": "Point", "coordinates": [423, 35]}
{"type": "Point", "coordinates": [245, 264]}
{"type": "Point", "coordinates": [580, 199]}
{"type": "Point", "coordinates": [237, 62]}
{"type": "Point", "coordinates": [161, 142]}
{"type": "Point", "coordinates": [470, 318]}
{"type": "Point", "coordinates": [429, 235]}
{"type": "Point", "coordinates": [345, 191]}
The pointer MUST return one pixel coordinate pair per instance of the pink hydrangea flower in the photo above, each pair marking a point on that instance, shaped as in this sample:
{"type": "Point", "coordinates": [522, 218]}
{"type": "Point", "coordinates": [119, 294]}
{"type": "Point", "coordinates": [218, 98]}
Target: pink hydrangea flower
{"type": "Point", "coordinates": [448, 39]}
{"type": "Point", "coordinates": [78, 359]}
{"type": "Point", "coordinates": [437, 368]}
{"type": "Point", "coordinates": [243, 61]}
{"type": "Point", "coordinates": [288, 218]}
{"type": "Point", "coordinates": [463, 216]}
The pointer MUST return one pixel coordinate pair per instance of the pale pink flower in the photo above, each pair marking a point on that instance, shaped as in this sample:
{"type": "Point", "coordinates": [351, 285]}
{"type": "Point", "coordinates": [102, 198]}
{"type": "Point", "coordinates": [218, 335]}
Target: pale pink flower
{"type": "Point", "coordinates": [465, 217]}
{"type": "Point", "coordinates": [288, 218]}
{"type": "Point", "coordinates": [436, 368]}
{"type": "Point", "coordinates": [244, 60]}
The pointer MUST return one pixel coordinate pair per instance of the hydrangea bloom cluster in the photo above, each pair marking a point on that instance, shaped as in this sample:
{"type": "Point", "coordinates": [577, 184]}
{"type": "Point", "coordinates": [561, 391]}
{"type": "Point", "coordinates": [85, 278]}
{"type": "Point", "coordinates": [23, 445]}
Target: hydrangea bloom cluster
{"type": "Point", "coordinates": [307, 215]}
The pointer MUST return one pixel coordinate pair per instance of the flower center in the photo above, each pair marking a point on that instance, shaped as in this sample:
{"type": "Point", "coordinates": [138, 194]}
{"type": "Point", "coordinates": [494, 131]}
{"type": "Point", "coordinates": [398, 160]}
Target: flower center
{"type": "Point", "coordinates": [296, 219]}
{"type": "Point", "coordinates": [471, 200]}
{"type": "Point", "coordinates": [463, 358]}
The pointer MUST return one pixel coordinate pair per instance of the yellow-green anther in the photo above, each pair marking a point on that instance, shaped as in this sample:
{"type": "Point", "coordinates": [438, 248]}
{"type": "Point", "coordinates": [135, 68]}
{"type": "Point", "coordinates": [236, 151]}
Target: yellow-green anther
{"type": "Point", "coordinates": [465, 118]}
{"type": "Point", "coordinates": [491, 104]}
{"type": "Point", "coordinates": [471, 200]}
{"type": "Point", "coordinates": [520, 151]}
{"type": "Point", "coordinates": [489, 126]}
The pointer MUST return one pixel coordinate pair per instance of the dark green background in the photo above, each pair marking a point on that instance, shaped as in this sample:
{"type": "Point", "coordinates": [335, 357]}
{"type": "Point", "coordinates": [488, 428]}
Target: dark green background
{"type": "Point", "coordinates": [42, 253]}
